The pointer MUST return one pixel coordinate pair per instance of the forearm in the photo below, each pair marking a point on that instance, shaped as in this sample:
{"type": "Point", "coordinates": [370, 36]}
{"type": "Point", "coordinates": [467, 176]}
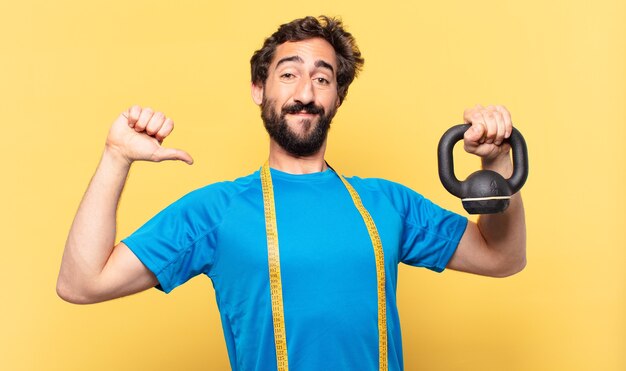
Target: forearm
{"type": "Point", "coordinates": [92, 236]}
{"type": "Point", "coordinates": [505, 233]}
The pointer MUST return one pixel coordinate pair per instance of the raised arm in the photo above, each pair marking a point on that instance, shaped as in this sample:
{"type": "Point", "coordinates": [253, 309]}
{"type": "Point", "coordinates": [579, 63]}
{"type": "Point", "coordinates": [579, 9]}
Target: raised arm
{"type": "Point", "coordinates": [496, 244]}
{"type": "Point", "coordinates": [92, 268]}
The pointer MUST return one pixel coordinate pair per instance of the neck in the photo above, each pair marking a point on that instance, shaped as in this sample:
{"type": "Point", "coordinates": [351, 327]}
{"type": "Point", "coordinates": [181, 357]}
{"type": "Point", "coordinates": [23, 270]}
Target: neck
{"type": "Point", "coordinates": [284, 161]}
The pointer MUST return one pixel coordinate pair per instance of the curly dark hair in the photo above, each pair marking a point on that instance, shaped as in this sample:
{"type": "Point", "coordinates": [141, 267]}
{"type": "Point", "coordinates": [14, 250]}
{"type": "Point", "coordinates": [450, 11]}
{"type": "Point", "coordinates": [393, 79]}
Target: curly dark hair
{"type": "Point", "coordinates": [349, 60]}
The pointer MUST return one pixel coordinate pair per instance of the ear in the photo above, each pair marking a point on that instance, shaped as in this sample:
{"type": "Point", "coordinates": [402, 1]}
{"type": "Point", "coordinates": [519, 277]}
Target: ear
{"type": "Point", "coordinates": [257, 93]}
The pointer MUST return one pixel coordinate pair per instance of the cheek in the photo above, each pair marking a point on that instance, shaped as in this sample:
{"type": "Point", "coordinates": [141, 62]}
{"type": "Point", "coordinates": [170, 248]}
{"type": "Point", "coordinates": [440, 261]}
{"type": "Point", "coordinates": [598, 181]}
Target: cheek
{"type": "Point", "coordinates": [279, 88]}
{"type": "Point", "coordinates": [330, 102]}
{"type": "Point", "coordinates": [280, 95]}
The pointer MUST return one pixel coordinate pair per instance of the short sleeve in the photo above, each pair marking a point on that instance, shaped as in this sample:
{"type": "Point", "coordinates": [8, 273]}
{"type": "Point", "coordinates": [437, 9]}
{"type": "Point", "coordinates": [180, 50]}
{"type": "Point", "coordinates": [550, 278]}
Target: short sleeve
{"type": "Point", "coordinates": [178, 243]}
{"type": "Point", "coordinates": [431, 234]}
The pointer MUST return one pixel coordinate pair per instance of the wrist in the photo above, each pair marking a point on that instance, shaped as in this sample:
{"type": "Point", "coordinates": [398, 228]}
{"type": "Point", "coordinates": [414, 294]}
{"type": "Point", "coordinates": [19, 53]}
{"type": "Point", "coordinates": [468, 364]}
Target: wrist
{"type": "Point", "coordinates": [501, 164]}
{"type": "Point", "coordinates": [115, 157]}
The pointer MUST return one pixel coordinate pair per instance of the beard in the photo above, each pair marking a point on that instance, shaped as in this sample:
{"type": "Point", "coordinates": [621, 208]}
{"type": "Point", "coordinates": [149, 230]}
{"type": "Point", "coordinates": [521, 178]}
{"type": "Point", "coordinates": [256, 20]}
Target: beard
{"type": "Point", "coordinates": [313, 133]}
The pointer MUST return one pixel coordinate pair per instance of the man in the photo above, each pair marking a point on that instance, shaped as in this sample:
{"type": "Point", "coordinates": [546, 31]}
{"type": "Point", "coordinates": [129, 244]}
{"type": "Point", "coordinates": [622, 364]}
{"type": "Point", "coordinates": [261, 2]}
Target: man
{"type": "Point", "coordinates": [326, 299]}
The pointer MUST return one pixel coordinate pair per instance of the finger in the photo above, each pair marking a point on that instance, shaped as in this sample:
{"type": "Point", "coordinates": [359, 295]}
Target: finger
{"type": "Point", "coordinates": [165, 130]}
{"type": "Point", "coordinates": [500, 128]}
{"type": "Point", "coordinates": [155, 123]}
{"type": "Point", "coordinates": [477, 131]}
{"type": "Point", "coordinates": [508, 122]}
{"type": "Point", "coordinates": [164, 154]}
{"type": "Point", "coordinates": [133, 115]}
{"type": "Point", "coordinates": [144, 118]}
{"type": "Point", "coordinates": [468, 113]}
{"type": "Point", "coordinates": [491, 126]}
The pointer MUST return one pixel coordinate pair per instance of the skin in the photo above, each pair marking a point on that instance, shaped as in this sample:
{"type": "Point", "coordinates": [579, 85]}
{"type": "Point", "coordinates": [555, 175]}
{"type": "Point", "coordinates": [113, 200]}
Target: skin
{"type": "Point", "coordinates": [93, 269]}
{"type": "Point", "coordinates": [305, 80]}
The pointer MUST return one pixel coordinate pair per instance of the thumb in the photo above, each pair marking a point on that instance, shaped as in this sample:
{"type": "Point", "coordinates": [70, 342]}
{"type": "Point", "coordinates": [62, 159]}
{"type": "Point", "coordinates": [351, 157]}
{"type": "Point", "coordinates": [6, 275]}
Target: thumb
{"type": "Point", "coordinates": [164, 154]}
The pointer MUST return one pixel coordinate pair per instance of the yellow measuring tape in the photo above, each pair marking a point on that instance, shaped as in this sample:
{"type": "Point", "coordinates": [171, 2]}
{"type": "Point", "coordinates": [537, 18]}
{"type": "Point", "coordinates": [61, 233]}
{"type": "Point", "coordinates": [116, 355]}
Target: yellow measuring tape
{"type": "Point", "coordinates": [280, 338]}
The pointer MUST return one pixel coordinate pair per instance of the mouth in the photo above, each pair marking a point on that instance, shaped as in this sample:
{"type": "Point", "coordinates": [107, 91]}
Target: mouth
{"type": "Point", "coordinates": [302, 114]}
{"type": "Point", "coordinates": [303, 111]}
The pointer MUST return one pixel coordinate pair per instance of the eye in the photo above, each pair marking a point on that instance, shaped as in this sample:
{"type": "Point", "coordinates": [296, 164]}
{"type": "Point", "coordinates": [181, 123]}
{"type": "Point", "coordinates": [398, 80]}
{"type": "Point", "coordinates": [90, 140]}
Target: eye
{"type": "Point", "coordinates": [322, 81]}
{"type": "Point", "coordinates": [287, 76]}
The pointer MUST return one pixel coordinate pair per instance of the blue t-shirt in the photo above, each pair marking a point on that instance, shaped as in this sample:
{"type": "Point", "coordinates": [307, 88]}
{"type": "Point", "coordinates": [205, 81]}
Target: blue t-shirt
{"type": "Point", "coordinates": [327, 263]}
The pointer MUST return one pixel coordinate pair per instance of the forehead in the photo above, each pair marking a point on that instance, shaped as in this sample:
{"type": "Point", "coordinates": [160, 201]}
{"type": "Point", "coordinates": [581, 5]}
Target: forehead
{"type": "Point", "coordinates": [309, 51]}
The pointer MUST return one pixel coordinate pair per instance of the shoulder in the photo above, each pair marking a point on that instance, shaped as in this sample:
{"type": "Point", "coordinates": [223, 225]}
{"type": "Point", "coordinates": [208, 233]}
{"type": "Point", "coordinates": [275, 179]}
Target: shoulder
{"type": "Point", "coordinates": [201, 210]}
{"type": "Point", "coordinates": [216, 197]}
{"type": "Point", "coordinates": [228, 188]}
{"type": "Point", "coordinates": [399, 196]}
{"type": "Point", "coordinates": [389, 188]}
{"type": "Point", "coordinates": [414, 208]}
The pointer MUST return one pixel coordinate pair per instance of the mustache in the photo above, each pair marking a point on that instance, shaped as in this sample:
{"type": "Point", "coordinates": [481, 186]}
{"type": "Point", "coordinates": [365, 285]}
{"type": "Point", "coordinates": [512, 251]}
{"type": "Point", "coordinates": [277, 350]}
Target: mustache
{"type": "Point", "coordinates": [309, 108]}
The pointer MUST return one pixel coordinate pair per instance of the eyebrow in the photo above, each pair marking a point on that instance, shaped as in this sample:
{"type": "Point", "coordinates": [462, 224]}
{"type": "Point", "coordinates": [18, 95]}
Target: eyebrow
{"type": "Point", "coordinates": [322, 64]}
{"type": "Point", "coordinates": [294, 58]}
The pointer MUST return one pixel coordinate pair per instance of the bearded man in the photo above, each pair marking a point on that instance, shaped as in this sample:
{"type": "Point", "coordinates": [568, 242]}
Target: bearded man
{"type": "Point", "coordinates": [303, 261]}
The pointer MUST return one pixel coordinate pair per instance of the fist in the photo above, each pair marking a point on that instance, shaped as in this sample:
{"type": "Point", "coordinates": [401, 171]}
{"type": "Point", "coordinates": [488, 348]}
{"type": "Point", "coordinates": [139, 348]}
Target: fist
{"type": "Point", "coordinates": [138, 134]}
{"type": "Point", "coordinates": [491, 125]}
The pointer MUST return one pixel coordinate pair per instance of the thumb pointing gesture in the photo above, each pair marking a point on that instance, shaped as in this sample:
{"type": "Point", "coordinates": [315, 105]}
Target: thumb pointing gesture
{"type": "Point", "coordinates": [138, 134]}
{"type": "Point", "coordinates": [163, 154]}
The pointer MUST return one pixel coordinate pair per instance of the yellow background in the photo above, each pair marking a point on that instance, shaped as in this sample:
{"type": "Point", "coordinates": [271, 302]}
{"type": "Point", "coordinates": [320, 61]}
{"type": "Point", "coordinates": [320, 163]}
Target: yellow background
{"type": "Point", "coordinates": [67, 68]}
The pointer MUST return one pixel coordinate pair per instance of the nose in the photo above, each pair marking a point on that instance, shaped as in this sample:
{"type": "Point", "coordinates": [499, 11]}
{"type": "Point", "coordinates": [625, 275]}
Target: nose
{"type": "Point", "coordinates": [304, 93]}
